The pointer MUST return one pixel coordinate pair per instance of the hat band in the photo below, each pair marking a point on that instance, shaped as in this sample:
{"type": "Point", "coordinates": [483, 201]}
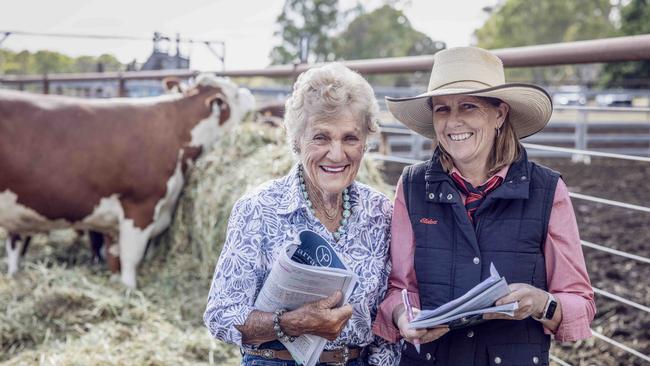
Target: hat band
{"type": "Point", "coordinates": [472, 84]}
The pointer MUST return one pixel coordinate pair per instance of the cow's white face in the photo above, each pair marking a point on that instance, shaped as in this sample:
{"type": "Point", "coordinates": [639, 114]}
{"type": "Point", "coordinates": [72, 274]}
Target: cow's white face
{"type": "Point", "coordinates": [238, 102]}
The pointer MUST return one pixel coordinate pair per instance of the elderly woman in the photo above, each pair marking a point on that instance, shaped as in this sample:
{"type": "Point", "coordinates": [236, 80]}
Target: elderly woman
{"type": "Point", "coordinates": [480, 201]}
{"type": "Point", "coordinates": [328, 118]}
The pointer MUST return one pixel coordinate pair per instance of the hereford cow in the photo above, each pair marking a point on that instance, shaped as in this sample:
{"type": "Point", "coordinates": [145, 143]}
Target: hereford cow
{"type": "Point", "coordinates": [271, 114]}
{"type": "Point", "coordinates": [114, 166]}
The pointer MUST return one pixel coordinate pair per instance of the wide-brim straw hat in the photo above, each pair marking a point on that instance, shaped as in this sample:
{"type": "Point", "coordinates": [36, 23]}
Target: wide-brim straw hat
{"type": "Point", "coordinates": [477, 72]}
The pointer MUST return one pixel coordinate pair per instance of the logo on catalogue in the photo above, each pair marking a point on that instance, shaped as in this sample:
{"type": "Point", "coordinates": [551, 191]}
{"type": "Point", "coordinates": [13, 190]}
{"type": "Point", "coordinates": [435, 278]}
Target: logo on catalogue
{"type": "Point", "coordinates": [428, 221]}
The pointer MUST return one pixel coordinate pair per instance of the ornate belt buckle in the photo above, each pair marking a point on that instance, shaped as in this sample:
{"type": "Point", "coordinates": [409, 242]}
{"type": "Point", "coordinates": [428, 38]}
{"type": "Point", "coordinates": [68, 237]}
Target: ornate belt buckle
{"type": "Point", "coordinates": [267, 353]}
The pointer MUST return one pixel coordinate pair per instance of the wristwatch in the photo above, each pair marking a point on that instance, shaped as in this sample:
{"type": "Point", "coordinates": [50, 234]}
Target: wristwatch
{"type": "Point", "coordinates": [549, 308]}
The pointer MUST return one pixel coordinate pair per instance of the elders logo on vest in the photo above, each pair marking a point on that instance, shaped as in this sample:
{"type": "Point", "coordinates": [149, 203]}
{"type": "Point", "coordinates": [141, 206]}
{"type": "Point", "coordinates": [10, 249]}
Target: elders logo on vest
{"type": "Point", "coordinates": [428, 221]}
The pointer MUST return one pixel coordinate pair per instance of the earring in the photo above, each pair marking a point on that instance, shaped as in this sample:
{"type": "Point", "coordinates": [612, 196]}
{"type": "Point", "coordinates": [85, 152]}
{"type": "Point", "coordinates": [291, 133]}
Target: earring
{"type": "Point", "coordinates": [498, 131]}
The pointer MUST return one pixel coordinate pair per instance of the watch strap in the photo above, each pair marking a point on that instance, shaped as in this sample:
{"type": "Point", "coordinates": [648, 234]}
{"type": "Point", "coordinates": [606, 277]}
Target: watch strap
{"type": "Point", "coordinates": [549, 308]}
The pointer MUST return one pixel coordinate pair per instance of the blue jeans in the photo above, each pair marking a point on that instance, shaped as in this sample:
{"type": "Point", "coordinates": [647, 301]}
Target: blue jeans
{"type": "Point", "coordinates": [249, 360]}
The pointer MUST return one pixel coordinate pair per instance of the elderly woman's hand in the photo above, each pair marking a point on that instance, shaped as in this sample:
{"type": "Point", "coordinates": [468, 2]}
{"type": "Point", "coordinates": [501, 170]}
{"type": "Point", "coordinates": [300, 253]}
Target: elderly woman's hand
{"type": "Point", "coordinates": [321, 318]}
{"type": "Point", "coordinates": [418, 335]}
{"type": "Point", "coordinates": [531, 302]}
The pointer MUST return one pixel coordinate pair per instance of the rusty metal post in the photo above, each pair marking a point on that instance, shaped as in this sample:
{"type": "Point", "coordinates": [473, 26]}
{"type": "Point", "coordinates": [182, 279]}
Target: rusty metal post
{"type": "Point", "coordinates": [121, 86]}
{"type": "Point", "coordinates": [46, 84]}
{"type": "Point", "coordinates": [384, 145]}
{"type": "Point", "coordinates": [296, 72]}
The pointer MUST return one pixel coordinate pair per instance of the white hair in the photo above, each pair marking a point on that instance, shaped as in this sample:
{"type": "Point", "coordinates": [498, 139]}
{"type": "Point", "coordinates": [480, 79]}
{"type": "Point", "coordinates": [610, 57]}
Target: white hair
{"type": "Point", "coordinates": [327, 92]}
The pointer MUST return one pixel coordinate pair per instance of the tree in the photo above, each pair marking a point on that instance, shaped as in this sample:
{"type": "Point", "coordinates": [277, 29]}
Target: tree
{"type": "Point", "coordinates": [41, 62]}
{"type": "Point", "coordinates": [306, 30]}
{"type": "Point", "coordinates": [49, 62]}
{"type": "Point", "coordinates": [525, 23]}
{"type": "Point", "coordinates": [635, 19]}
{"type": "Point", "coordinates": [85, 64]}
{"type": "Point", "coordinates": [384, 32]}
{"type": "Point", "coordinates": [109, 63]}
{"type": "Point", "coordinates": [18, 63]}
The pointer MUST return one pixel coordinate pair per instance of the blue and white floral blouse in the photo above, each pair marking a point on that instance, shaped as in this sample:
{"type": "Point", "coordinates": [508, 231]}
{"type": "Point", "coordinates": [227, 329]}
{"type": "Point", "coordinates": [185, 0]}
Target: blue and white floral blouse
{"type": "Point", "coordinates": [264, 221]}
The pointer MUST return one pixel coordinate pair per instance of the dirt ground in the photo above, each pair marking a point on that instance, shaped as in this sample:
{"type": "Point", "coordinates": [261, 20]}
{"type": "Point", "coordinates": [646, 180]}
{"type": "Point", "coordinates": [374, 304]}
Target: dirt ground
{"type": "Point", "coordinates": [617, 228]}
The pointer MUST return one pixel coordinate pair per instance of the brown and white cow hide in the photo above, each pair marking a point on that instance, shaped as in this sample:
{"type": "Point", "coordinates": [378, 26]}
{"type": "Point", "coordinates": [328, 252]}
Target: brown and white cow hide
{"type": "Point", "coordinates": [114, 166]}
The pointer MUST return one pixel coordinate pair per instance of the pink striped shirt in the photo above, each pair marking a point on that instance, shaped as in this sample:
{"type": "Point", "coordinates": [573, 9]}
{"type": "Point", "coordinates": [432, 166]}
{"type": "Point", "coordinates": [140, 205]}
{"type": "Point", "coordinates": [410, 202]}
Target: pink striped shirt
{"type": "Point", "coordinates": [566, 273]}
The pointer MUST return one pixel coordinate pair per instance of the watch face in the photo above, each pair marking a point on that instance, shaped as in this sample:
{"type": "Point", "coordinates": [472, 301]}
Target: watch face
{"type": "Point", "coordinates": [551, 310]}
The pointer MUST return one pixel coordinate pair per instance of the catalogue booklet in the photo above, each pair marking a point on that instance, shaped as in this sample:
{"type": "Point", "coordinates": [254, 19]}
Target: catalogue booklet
{"type": "Point", "coordinates": [478, 300]}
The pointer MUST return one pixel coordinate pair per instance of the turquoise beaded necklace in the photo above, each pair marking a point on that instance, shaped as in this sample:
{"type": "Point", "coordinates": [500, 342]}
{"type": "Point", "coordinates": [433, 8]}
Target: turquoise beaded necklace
{"type": "Point", "coordinates": [346, 205]}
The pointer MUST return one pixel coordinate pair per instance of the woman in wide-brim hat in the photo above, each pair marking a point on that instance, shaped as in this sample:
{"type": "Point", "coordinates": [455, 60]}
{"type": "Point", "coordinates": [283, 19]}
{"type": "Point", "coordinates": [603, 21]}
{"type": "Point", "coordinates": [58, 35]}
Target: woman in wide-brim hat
{"type": "Point", "coordinates": [477, 202]}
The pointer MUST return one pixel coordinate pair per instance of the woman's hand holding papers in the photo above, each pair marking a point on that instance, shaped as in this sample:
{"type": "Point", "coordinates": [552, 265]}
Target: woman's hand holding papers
{"type": "Point", "coordinates": [531, 301]}
{"type": "Point", "coordinates": [322, 318]}
{"type": "Point", "coordinates": [421, 335]}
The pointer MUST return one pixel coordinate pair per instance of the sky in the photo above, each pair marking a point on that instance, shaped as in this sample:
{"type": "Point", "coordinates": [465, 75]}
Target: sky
{"type": "Point", "coordinates": [246, 26]}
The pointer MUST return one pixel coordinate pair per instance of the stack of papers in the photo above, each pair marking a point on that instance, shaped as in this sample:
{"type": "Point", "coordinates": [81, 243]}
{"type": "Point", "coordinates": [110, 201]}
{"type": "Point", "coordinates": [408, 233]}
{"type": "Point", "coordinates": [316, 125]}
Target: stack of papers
{"type": "Point", "coordinates": [479, 300]}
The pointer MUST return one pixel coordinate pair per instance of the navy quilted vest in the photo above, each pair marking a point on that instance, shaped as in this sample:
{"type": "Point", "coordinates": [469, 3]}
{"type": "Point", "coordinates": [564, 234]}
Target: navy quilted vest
{"type": "Point", "coordinates": [451, 257]}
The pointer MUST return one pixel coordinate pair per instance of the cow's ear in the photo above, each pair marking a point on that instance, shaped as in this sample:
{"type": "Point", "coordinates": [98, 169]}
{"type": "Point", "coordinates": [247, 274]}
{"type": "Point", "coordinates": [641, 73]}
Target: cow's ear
{"type": "Point", "coordinates": [219, 100]}
{"type": "Point", "coordinates": [172, 83]}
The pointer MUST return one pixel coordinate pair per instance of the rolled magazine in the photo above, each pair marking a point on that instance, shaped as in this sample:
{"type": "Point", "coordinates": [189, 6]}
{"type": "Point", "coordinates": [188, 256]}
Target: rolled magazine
{"type": "Point", "coordinates": [304, 273]}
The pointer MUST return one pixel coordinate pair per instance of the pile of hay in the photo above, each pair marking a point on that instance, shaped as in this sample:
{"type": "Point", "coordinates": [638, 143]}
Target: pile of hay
{"type": "Point", "coordinates": [62, 309]}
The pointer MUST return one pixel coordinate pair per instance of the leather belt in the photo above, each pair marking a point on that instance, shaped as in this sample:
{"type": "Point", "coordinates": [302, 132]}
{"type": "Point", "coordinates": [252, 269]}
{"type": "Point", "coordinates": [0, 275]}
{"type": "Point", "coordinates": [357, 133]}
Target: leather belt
{"type": "Point", "coordinates": [334, 357]}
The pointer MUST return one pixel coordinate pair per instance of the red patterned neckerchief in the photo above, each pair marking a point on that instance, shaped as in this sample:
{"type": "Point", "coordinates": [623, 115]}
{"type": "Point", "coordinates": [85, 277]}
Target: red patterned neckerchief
{"type": "Point", "coordinates": [475, 196]}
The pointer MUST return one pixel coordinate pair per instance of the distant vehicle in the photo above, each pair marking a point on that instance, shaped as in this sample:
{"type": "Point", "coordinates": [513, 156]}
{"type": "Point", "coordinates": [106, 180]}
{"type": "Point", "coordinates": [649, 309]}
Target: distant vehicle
{"type": "Point", "coordinates": [563, 98]}
{"type": "Point", "coordinates": [569, 95]}
{"type": "Point", "coordinates": [614, 100]}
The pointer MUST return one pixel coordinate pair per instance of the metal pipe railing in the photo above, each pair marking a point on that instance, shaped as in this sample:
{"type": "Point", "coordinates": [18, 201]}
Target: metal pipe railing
{"type": "Point", "coordinates": [617, 49]}
{"type": "Point", "coordinates": [559, 360]}
{"type": "Point", "coordinates": [621, 299]}
{"type": "Point", "coordinates": [586, 152]}
{"type": "Point", "coordinates": [621, 346]}
{"type": "Point", "coordinates": [609, 202]}
{"type": "Point", "coordinates": [620, 253]}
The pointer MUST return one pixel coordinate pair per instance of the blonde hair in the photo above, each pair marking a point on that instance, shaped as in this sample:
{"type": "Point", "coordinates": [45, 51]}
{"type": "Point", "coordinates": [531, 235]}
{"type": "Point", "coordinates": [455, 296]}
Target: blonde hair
{"type": "Point", "coordinates": [505, 151]}
{"type": "Point", "coordinates": [326, 92]}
